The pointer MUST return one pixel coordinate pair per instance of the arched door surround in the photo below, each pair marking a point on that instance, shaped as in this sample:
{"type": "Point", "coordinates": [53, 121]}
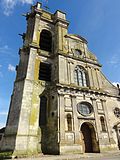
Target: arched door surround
{"type": "Point", "coordinates": [89, 141]}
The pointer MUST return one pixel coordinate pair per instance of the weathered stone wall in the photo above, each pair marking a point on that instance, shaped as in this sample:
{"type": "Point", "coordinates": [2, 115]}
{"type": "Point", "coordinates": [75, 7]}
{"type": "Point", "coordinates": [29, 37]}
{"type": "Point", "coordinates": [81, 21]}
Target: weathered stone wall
{"type": "Point", "coordinates": [23, 135]}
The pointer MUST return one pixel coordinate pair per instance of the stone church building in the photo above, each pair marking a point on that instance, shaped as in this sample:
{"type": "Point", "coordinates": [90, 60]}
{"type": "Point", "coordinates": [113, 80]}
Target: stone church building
{"type": "Point", "coordinates": [61, 101]}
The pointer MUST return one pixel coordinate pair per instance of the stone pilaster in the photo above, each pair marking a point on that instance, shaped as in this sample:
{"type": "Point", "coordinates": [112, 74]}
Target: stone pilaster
{"type": "Point", "coordinates": [61, 25]}
{"type": "Point", "coordinates": [61, 118]}
{"type": "Point", "coordinates": [75, 121]}
{"type": "Point", "coordinates": [96, 117]}
{"type": "Point", "coordinates": [71, 73]}
{"type": "Point", "coordinates": [99, 78]}
{"type": "Point", "coordinates": [94, 78]}
{"type": "Point", "coordinates": [107, 120]}
{"type": "Point", "coordinates": [36, 33]}
{"type": "Point", "coordinates": [90, 77]}
{"type": "Point", "coordinates": [62, 70]}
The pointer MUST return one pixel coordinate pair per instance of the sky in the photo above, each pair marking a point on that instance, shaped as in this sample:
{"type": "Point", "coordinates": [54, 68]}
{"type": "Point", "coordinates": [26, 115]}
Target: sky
{"type": "Point", "coordinates": [96, 20]}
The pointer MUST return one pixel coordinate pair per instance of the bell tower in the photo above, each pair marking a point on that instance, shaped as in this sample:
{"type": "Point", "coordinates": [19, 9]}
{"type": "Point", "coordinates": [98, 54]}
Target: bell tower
{"type": "Point", "coordinates": [60, 93]}
{"type": "Point", "coordinates": [32, 124]}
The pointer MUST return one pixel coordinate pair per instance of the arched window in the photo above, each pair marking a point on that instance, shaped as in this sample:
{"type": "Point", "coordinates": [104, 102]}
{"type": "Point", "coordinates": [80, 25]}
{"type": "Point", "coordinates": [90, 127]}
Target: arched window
{"type": "Point", "coordinates": [43, 111]}
{"type": "Point", "coordinates": [102, 120]}
{"type": "Point", "coordinates": [80, 76]}
{"type": "Point", "coordinates": [69, 122]}
{"type": "Point", "coordinates": [46, 40]}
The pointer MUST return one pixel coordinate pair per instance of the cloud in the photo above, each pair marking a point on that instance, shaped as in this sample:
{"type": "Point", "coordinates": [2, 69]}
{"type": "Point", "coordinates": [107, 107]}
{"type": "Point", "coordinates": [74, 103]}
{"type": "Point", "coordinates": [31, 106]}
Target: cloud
{"type": "Point", "coordinates": [1, 75]}
{"type": "Point", "coordinates": [115, 83]}
{"type": "Point", "coordinates": [3, 113]}
{"type": "Point", "coordinates": [96, 12]}
{"type": "Point", "coordinates": [11, 68]}
{"type": "Point", "coordinates": [115, 59]}
{"type": "Point", "coordinates": [5, 49]}
{"type": "Point", "coordinates": [2, 125]}
{"type": "Point", "coordinates": [27, 1]}
{"type": "Point", "coordinates": [4, 103]}
{"type": "Point", "coordinates": [8, 5]}
{"type": "Point", "coordinates": [4, 107]}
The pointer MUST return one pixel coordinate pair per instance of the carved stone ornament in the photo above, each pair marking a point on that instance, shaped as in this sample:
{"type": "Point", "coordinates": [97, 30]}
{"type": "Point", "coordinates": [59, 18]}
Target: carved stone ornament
{"type": "Point", "coordinates": [117, 112]}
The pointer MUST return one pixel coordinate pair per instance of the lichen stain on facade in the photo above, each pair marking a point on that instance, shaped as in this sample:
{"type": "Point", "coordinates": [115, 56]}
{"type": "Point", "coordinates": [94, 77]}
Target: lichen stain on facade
{"type": "Point", "coordinates": [60, 94]}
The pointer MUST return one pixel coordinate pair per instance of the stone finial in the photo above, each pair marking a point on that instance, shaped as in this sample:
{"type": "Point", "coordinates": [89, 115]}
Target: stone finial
{"type": "Point", "coordinates": [59, 14]}
{"type": "Point", "coordinates": [38, 5]}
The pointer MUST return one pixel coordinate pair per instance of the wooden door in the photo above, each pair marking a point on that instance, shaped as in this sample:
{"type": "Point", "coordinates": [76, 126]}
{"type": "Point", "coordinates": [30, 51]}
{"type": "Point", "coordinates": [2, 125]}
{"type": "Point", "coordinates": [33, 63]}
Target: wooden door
{"type": "Point", "coordinates": [87, 138]}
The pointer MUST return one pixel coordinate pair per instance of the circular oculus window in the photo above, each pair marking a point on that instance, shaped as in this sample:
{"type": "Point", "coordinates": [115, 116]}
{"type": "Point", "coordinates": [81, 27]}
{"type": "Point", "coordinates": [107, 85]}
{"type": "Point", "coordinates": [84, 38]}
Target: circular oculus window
{"type": "Point", "coordinates": [78, 52]}
{"type": "Point", "coordinates": [84, 108]}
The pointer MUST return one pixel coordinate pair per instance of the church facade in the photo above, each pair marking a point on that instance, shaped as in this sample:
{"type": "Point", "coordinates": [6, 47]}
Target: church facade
{"type": "Point", "coordinates": [61, 101]}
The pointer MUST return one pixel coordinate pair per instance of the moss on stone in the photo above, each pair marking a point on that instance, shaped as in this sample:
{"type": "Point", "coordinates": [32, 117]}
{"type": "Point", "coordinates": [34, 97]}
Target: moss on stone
{"type": "Point", "coordinates": [4, 155]}
{"type": "Point", "coordinates": [36, 72]}
{"type": "Point", "coordinates": [18, 154]}
{"type": "Point", "coordinates": [34, 99]}
{"type": "Point", "coordinates": [47, 15]}
{"type": "Point", "coordinates": [38, 37]}
{"type": "Point", "coordinates": [33, 116]}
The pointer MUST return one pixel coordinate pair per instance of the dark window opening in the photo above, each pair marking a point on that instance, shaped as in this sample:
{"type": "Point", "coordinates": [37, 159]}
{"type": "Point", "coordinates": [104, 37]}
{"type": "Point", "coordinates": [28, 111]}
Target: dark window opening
{"type": "Point", "coordinates": [45, 72]}
{"type": "Point", "coordinates": [103, 124]}
{"type": "Point", "coordinates": [43, 111]}
{"type": "Point", "coordinates": [69, 122]}
{"type": "Point", "coordinates": [46, 40]}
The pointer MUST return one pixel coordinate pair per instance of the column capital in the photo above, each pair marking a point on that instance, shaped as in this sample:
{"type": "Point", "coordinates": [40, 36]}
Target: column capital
{"type": "Point", "coordinates": [93, 98]}
{"type": "Point", "coordinates": [73, 96]}
{"type": "Point", "coordinates": [103, 100]}
{"type": "Point", "coordinates": [61, 94]}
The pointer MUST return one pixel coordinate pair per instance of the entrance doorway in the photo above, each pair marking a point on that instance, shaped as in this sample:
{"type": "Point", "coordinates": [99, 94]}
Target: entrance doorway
{"type": "Point", "coordinates": [89, 141]}
{"type": "Point", "coordinates": [117, 130]}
